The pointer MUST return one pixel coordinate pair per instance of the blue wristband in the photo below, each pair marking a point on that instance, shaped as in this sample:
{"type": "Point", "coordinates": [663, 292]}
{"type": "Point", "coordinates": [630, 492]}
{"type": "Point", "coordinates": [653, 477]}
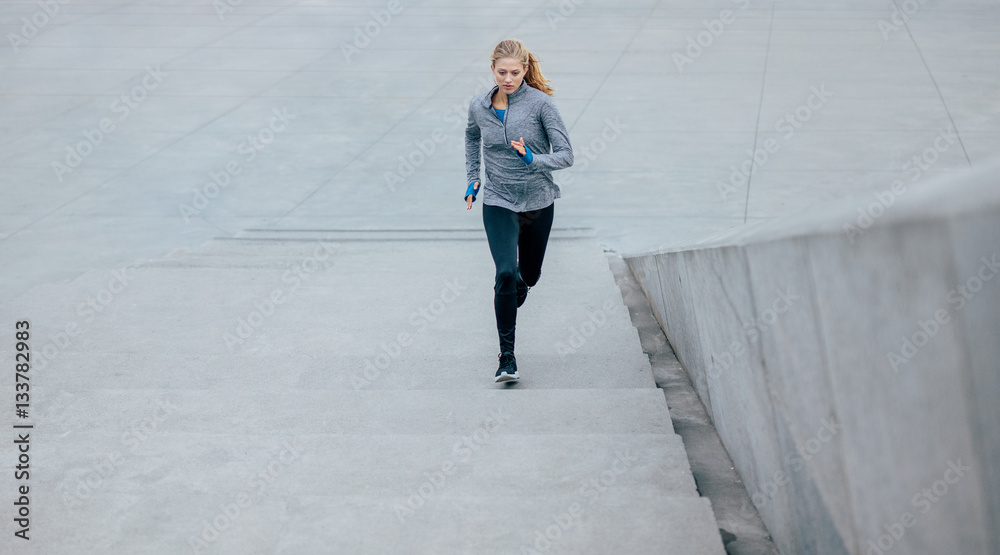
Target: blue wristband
{"type": "Point", "coordinates": [527, 155]}
{"type": "Point", "coordinates": [471, 191]}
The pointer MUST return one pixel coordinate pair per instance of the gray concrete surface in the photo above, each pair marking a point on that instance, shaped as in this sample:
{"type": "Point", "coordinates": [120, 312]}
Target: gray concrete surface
{"type": "Point", "coordinates": [288, 393]}
{"type": "Point", "coordinates": [852, 374]}
{"type": "Point", "coordinates": [656, 135]}
{"type": "Point", "coordinates": [334, 113]}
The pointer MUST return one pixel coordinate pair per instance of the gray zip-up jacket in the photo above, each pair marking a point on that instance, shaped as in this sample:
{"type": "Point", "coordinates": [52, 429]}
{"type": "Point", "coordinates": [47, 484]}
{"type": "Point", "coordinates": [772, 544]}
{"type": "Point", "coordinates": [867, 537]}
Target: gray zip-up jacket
{"type": "Point", "coordinates": [509, 182]}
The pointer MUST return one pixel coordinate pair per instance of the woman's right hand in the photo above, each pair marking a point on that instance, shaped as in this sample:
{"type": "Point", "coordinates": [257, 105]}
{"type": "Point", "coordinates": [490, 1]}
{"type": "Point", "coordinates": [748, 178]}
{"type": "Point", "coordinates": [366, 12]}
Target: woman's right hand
{"type": "Point", "coordinates": [469, 198]}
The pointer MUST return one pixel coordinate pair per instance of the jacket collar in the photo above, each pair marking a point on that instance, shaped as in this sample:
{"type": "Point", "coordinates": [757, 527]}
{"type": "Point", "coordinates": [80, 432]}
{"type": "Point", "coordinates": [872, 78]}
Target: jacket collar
{"type": "Point", "coordinates": [488, 99]}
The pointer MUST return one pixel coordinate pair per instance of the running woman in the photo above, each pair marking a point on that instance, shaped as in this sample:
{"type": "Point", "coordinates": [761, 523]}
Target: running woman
{"type": "Point", "coordinates": [523, 140]}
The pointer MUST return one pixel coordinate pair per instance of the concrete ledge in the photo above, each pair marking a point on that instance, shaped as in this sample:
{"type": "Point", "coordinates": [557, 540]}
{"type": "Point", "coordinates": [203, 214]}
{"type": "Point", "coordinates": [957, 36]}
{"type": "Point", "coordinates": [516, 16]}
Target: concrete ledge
{"type": "Point", "coordinates": [848, 358]}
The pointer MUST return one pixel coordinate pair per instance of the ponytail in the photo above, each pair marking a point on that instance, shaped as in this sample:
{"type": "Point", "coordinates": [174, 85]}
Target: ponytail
{"type": "Point", "coordinates": [534, 76]}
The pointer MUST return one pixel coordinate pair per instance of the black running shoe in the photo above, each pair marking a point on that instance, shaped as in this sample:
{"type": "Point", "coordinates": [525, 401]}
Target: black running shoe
{"type": "Point", "coordinates": [522, 291]}
{"type": "Point", "coordinates": [508, 369]}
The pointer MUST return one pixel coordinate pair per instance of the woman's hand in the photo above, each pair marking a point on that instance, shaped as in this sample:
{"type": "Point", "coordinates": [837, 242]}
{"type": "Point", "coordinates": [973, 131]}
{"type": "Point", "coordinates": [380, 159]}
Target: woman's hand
{"type": "Point", "coordinates": [518, 146]}
{"type": "Point", "coordinates": [470, 198]}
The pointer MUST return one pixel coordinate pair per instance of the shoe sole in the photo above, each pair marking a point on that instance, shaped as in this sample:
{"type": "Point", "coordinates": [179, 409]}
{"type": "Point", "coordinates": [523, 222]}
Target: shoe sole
{"type": "Point", "coordinates": [505, 377]}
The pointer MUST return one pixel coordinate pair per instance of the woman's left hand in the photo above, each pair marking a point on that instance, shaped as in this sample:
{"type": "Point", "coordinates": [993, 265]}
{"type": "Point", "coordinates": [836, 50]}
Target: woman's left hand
{"type": "Point", "coordinates": [518, 146]}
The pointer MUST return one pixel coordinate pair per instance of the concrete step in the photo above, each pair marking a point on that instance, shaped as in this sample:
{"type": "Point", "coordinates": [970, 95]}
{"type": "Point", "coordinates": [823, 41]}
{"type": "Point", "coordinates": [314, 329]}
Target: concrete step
{"type": "Point", "coordinates": [267, 410]}
{"type": "Point", "coordinates": [396, 343]}
{"type": "Point", "coordinates": [284, 365]}
{"type": "Point", "coordinates": [307, 308]}
{"type": "Point", "coordinates": [479, 461]}
{"type": "Point", "coordinates": [457, 234]}
{"type": "Point", "coordinates": [613, 520]}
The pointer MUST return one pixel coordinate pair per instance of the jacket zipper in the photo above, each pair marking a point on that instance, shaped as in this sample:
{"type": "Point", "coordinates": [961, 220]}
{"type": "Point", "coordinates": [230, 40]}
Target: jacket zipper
{"type": "Point", "coordinates": [504, 121]}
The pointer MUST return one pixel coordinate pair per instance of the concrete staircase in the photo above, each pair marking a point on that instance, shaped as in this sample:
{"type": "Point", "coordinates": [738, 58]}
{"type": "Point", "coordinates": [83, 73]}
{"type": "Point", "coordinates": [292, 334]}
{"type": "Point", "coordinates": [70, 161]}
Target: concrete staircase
{"type": "Point", "coordinates": [321, 391]}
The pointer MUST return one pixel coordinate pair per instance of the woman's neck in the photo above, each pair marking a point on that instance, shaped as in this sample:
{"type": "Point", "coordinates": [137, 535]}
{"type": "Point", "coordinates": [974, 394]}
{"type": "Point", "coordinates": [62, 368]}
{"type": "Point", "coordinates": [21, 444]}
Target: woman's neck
{"type": "Point", "coordinates": [500, 99]}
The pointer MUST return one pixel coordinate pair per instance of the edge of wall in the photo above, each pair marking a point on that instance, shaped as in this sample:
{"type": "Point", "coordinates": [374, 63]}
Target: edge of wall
{"type": "Point", "coordinates": [851, 377]}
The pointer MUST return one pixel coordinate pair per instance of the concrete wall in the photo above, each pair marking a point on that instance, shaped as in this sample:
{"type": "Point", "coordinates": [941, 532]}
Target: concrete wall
{"type": "Point", "coordinates": [853, 372]}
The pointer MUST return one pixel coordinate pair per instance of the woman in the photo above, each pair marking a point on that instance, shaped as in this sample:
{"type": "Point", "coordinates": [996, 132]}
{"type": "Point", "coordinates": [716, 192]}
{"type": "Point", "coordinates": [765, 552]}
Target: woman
{"type": "Point", "coordinates": [516, 123]}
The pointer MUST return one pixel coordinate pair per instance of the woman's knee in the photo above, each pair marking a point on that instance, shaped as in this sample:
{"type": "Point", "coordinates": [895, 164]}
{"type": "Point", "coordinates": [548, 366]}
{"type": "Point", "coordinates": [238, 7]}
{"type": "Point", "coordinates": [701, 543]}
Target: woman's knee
{"type": "Point", "coordinates": [530, 278]}
{"type": "Point", "coordinates": [506, 280]}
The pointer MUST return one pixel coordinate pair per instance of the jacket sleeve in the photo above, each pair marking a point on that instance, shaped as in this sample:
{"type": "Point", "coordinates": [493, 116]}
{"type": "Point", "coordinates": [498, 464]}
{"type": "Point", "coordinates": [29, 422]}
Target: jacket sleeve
{"type": "Point", "coordinates": [562, 151]}
{"type": "Point", "coordinates": [473, 142]}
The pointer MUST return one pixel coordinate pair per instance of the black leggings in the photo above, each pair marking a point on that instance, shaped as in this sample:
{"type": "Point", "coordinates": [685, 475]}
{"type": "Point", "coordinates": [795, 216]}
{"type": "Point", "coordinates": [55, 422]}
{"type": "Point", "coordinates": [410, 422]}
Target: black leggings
{"type": "Point", "coordinates": [517, 243]}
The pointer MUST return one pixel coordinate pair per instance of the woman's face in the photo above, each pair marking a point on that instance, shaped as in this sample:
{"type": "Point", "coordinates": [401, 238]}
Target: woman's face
{"type": "Point", "coordinates": [509, 73]}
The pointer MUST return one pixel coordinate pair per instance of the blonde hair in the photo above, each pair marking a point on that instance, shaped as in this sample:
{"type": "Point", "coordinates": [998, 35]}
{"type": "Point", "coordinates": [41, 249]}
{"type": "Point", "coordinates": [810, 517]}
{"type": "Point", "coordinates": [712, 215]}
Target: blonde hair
{"type": "Point", "coordinates": [513, 48]}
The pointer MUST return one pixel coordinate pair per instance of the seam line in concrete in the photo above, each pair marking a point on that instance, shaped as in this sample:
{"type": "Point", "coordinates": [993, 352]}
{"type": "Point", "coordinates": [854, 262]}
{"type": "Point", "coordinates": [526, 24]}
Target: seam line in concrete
{"type": "Point", "coordinates": [381, 239]}
{"type": "Point", "coordinates": [614, 65]}
{"type": "Point", "coordinates": [936, 87]}
{"type": "Point", "coordinates": [760, 107]}
{"type": "Point", "coordinates": [418, 230]}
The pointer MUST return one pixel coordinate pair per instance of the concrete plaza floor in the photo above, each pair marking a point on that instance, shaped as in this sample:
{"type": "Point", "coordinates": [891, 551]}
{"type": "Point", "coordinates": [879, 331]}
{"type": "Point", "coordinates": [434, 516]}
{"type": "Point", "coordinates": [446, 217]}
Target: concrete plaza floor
{"type": "Point", "coordinates": [659, 122]}
{"type": "Point", "coordinates": [135, 132]}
